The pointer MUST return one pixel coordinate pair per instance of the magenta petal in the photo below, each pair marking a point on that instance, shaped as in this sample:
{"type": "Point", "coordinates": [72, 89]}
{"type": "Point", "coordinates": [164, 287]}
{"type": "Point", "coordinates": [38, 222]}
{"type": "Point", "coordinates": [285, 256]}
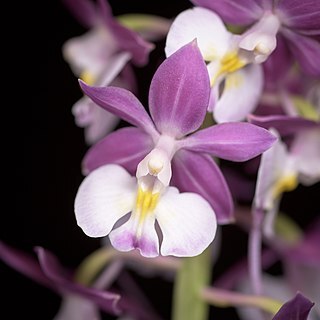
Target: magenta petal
{"type": "Point", "coordinates": [126, 147]}
{"type": "Point", "coordinates": [305, 50]}
{"type": "Point", "coordinates": [179, 92]}
{"type": "Point", "coordinates": [236, 11]}
{"type": "Point", "coordinates": [231, 141]}
{"type": "Point", "coordinates": [304, 16]}
{"type": "Point", "coordinates": [127, 39]}
{"type": "Point", "coordinates": [54, 271]}
{"type": "Point", "coordinates": [130, 41]}
{"type": "Point", "coordinates": [198, 173]}
{"type": "Point", "coordinates": [296, 308]}
{"type": "Point", "coordinates": [24, 263]}
{"type": "Point", "coordinates": [285, 125]}
{"type": "Point", "coordinates": [122, 103]}
{"type": "Point", "coordinates": [84, 11]}
{"type": "Point", "coordinates": [277, 66]}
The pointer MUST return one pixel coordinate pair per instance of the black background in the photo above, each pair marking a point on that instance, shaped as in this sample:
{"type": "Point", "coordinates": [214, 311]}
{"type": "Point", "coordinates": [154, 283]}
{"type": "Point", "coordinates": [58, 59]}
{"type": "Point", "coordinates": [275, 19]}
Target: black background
{"type": "Point", "coordinates": [47, 178]}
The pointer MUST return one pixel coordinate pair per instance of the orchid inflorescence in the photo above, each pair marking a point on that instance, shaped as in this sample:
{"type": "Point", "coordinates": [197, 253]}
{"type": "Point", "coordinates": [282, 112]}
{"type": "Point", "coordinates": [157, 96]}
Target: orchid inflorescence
{"type": "Point", "coordinates": [239, 82]}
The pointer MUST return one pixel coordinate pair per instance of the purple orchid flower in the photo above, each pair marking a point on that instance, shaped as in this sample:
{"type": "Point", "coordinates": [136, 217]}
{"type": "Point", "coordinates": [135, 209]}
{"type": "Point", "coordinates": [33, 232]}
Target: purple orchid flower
{"type": "Point", "coordinates": [101, 57]}
{"type": "Point", "coordinates": [281, 169]}
{"type": "Point", "coordinates": [297, 21]}
{"type": "Point", "coordinates": [178, 99]}
{"type": "Point", "coordinates": [79, 301]}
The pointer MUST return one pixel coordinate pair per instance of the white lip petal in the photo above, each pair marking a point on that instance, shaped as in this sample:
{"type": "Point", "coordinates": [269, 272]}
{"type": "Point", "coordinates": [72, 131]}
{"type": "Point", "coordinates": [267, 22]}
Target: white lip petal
{"type": "Point", "coordinates": [187, 221]}
{"type": "Point", "coordinates": [104, 196]}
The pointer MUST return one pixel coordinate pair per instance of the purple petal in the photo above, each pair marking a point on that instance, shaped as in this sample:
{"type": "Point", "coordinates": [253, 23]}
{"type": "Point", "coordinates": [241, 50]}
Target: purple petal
{"type": "Point", "coordinates": [84, 11]}
{"type": "Point", "coordinates": [54, 271]}
{"type": "Point", "coordinates": [236, 11]}
{"type": "Point", "coordinates": [179, 92]}
{"type": "Point", "coordinates": [304, 16]}
{"type": "Point", "coordinates": [130, 41]}
{"type": "Point", "coordinates": [122, 103]}
{"type": "Point", "coordinates": [24, 263]}
{"type": "Point", "coordinates": [285, 125]}
{"type": "Point", "coordinates": [231, 141]}
{"type": "Point", "coordinates": [277, 66]}
{"type": "Point", "coordinates": [305, 50]}
{"type": "Point", "coordinates": [297, 308]}
{"type": "Point", "coordinates": [125, 147]}
{"type": "Point", "coordinates": [127, 39]}
{"type": "Point", "coordinates": [198, 173]}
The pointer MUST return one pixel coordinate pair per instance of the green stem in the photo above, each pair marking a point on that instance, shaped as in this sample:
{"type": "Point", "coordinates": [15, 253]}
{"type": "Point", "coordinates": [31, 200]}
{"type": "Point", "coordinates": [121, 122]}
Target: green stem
{"type": "Point", "coordinates": [193, 276]}
{"type": "Point", "coordinates": [224, 298]}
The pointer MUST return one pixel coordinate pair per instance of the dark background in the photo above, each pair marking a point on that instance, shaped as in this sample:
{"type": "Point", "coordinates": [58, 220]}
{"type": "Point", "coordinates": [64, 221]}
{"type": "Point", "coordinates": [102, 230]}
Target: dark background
{"type": "Point", "coordinates": [47, 178]}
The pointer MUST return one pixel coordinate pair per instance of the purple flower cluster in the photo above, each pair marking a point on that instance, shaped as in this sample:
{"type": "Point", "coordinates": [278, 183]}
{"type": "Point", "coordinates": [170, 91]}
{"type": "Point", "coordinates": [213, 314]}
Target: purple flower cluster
{"type": "Point", "coordinates": [240, 82]}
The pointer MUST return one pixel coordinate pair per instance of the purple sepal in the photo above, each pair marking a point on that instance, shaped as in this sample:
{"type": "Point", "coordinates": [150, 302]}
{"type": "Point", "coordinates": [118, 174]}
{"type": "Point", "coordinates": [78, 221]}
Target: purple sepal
{"type": "Point", "coordinates": [179, 92]}
{"type": "Point", "coordinates": [303, 16]}
{"type": "Point", "coordinates": [297, 308]}
{"type": "Point", "coordinates": [122, 103]}
{"type": "Point", "coordinates": [24, 263]}
{"type": "Point", "coordinates": [231, 141]}
{"type": "Point", "coordinates": [57, 274]}
{"type": "Point", "coordinates": [285, 125]}
{"type": "Point", "coordinates": [277, 66]}
{"type": "Point", "coordinates": [198, 173]}
{"type": "Point", "coordinates": [126, 147]}
{"type": "Point", "coordinates": [236, 11]}
{"type": "Point", "coordinates": [48, 272]}
{"type": "Point", "coordinates": [306, 50]}
{"type": "Point", "coordinates": [130, 41]}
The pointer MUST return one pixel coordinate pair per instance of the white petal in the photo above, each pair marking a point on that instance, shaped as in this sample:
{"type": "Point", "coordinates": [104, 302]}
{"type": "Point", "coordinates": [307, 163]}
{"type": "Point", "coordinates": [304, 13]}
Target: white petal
{"type": "Point", "coordinates": [90, 51]}
{"type": "Point", "coordinates": [187, 221]}
{"type": "Point", "coordinates": [104, 196]}
{"type": "Point", "coordinates": [137, 234]}
{"type": "Point", "coordinates": [212, 36]}
{"type": "Point", "coordinates": [306, 151]}
{"type": "Point", "coordinates": [272, 166]}
{"type": "Point", "coordinates": [240, 95]}
{"type": "Point", "coordinates": [76, 308]}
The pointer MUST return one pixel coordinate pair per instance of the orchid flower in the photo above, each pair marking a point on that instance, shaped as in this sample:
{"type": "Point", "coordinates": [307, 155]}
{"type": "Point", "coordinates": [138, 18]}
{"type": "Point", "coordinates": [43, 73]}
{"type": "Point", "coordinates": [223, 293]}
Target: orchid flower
{"type": "Point", "coordinates": [297, 21]}
{"type": "Point", "coordinates": [178, 101]}
{"type": "Point", "coordinates": [281, 169]}
{"type": "Point", "coordinates": [228, 66]}
{"type": "Point", "coordinates": [101, 57]}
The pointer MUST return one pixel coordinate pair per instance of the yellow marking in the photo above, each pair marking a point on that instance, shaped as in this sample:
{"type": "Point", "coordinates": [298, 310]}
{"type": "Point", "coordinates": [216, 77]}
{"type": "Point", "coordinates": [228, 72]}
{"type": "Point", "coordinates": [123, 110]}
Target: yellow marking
{"type": "Point", "coordinates": [146, 202]}
{"type": "Point", "coordinates": [229, 63]}
{"type": "Point", "coordinates": [287, 183]}
{"type": "Point", "coordinates": [88, 77]}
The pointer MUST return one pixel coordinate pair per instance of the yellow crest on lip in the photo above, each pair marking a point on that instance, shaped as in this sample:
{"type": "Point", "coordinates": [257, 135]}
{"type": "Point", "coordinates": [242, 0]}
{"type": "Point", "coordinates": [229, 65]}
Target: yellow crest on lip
{"type": "Point", "coordinates": [146, 201]}
{"type": "Point", "coordinates": [228, 64]}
